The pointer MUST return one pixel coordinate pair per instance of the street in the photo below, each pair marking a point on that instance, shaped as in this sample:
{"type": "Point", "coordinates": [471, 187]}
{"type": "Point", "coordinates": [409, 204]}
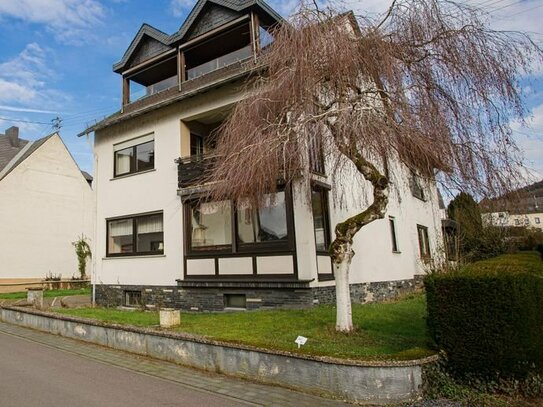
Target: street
{"type": "Point", "coordinates": [45, 370]}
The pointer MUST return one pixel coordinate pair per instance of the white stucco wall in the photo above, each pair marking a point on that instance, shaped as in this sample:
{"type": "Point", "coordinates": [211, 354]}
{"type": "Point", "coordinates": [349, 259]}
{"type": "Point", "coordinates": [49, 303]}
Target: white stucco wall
{"type": "Point", "coordinates": [147, 192]}
{"type": "Point", "coordinates": [157, 191]}
{"type": "Point", "coordinates": [45, 205]}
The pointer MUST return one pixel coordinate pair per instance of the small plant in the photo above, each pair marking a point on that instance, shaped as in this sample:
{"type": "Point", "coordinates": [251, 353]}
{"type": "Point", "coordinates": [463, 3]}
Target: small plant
{"type": "Point", "coordinates": [83, 252]}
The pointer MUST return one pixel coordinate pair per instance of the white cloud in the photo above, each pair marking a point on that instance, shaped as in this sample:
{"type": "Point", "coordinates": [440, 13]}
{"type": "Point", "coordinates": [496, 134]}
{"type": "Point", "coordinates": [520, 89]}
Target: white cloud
{"type": "Point", "coordinates": [181, 8]}
{"type": "Point", "coordinates": [25, 81]}
{"type": "Point", "coordinates": [68, 20]}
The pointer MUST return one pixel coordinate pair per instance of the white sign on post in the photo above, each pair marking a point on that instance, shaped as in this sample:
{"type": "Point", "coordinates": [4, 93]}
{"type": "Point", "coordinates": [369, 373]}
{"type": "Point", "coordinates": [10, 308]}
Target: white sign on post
{"type": "Point", "coordinates": [300, 340]}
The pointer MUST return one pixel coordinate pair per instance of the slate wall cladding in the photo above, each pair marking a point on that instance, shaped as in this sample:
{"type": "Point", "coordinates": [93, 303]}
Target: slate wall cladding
{"type": "Point", "coordinates": [213, 298]}
{"type": "Point", "coordinates": [147, 49]}
{"type": "Point", "coordinates": [213, 17]}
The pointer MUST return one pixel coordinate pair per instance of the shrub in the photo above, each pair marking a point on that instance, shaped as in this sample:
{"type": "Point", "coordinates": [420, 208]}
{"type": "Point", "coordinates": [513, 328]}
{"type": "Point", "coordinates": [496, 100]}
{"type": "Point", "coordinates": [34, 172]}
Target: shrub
{"type": "Point", "coordinates": [487, 317]}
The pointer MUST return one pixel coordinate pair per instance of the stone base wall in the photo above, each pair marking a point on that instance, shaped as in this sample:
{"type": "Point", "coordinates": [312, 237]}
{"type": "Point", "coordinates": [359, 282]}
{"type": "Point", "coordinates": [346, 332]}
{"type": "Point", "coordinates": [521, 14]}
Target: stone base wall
{"type": "Point", "coordinates": [214, 298]}
{"type": "Point", "coordinates": [370, 292]}
{"type": "Point", "coordinates": [204, 299]}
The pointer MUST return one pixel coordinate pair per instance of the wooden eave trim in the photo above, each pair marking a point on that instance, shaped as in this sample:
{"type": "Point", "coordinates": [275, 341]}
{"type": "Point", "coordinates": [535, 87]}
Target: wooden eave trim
{"type": "Point", "coordinates": [213, 32]}
{"type": "Point", "coordinates": [145, 64]}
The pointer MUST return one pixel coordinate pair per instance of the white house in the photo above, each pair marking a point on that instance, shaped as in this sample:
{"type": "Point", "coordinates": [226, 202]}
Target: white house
{"type": "Point", "coordinates": [522, 208]}
{"type": "Point", "coordinates": [158, 244]}
{"type": "Point", "coordinates": [46, 203]}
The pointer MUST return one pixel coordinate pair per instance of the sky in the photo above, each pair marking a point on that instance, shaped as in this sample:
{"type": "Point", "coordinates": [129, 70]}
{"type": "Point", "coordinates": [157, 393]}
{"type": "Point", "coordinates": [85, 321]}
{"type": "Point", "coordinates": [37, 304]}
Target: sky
{"type": "Point", "coordinates": [56, 61]}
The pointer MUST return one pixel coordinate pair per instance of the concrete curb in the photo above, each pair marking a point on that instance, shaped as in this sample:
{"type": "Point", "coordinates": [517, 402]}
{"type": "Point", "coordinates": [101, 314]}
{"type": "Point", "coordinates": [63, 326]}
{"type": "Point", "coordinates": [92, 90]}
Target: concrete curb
{"type": "Point", "coordinates": [377, 382]}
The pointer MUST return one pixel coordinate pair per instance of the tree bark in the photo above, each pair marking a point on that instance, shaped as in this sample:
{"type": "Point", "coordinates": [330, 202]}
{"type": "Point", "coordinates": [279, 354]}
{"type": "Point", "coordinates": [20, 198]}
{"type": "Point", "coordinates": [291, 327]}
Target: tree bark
{"type": "Point", "coordinates": [341, 248]}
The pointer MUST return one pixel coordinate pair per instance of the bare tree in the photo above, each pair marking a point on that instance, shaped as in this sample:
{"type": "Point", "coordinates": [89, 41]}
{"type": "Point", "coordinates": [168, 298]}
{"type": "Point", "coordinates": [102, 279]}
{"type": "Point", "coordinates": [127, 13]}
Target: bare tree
{"type": "Point", "coordinates": [428, 86]}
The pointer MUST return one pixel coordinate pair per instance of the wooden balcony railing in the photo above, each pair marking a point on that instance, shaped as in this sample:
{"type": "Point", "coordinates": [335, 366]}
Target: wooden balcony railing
{"type": "Point", "coordinates": [191, 170]}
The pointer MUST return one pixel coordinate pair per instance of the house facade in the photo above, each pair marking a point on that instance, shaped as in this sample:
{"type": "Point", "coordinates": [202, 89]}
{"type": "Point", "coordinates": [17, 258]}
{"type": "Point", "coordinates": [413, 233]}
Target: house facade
{"type": "Point", "coordinates": [521, 208]}
{"type": "Point", "coordinates": [158, 244]}
{"type": "Point", "coordinates": [46, 203]}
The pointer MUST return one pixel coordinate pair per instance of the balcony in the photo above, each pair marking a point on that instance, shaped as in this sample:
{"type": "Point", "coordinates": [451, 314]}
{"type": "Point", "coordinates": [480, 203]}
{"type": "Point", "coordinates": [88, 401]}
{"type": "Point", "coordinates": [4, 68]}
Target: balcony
{"type": "Point", "coordinates": [191, 170]}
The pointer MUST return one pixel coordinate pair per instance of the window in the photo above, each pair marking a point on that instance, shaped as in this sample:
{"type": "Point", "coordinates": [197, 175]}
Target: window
{"type": "Point", "coordinates": [235, 300]}
{"type": "Point", "coordinates": [132, 298]}
{"type": "Point", "coordinates": [319, 204]}
{"type": "Point", "coordinates": [138, 235]}
{"type": "Point", "coordinates": [526, 221]}
{"type": "Point", "coordinates": [517, 222]}
{"type": "Point", "coordinates": [265, 224]}
{"type": "Point", "coordinates": [211, 226]}
{"type": "Point", "coordinates": [196, 144]}
{"type": "Point", "coordinates": [417, 186]}
{"type": "Point", "coordinates": [134, 156]}
{"type": "Point", "coordinates": [392, 222]}
{"type": "Point", "coordinates": [424, 243]}
{"type": "Point", "coordinates": [226, 226]}
{"type": "Point", "coordinates": [537, 221]}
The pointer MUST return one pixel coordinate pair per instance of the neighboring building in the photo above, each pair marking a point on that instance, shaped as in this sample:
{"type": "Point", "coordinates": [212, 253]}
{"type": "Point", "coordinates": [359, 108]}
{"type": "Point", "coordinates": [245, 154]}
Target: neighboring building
{"type": "Point", "coordinates": [521, 208]}
{"type": "Point", "coordinates": [45, 204]}
{"type": "Point", "coordinates": [157, 244]}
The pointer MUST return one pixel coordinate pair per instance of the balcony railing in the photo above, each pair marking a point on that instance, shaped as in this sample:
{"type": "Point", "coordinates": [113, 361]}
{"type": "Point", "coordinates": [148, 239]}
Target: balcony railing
{"type": "Point", "coordinates": [219, 62]}
{"type": "Point", "coordinates": [191, 170]}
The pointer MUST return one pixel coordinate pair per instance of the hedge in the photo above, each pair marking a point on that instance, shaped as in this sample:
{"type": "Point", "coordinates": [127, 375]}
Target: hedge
{"type": "Point", "coordinates": [488, 317]}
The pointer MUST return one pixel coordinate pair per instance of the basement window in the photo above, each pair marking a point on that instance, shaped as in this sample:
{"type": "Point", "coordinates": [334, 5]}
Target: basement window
{"type": "Point", "coordinates": [132, 298]}
{"type": "Point", "coordinates": [235, 301]}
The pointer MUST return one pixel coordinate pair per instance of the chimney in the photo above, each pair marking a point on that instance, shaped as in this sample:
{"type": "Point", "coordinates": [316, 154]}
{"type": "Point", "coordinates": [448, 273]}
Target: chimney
{"type": "Point", "coordinates": [13, 135]}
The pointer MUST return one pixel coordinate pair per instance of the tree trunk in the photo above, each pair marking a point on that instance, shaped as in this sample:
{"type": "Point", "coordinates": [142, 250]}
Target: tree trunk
{"type": "Point", "coordinates": [341, 248]}
{"type": "Point", "coordinates": [344, 318]}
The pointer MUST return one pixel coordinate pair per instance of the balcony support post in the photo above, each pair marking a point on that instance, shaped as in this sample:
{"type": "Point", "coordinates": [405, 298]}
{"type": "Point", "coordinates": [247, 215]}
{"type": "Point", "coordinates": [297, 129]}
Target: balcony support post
{"type": "Point", "coordinates": [255, 35]}
{"type": "Point", "coordinates": [126, 91]}
{"type": "Point", "coordinates": [181, 68]}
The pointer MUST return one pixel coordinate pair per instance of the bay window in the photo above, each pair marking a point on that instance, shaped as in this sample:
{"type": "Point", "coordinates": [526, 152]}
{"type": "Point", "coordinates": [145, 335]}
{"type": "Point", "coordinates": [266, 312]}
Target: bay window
{"type": "Point", "coordinates": [236, 227]}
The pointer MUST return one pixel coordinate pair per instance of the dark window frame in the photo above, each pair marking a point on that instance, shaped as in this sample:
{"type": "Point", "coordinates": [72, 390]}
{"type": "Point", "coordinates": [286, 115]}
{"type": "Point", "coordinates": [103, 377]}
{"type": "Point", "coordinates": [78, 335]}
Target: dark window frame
{"type": "Point", "coordinates": [426, 243]}
{"type": "Point", "coordinates": [235, 248]}
{"type": "Point", "coordinates": [417, 188]}
{"type": "Point", "coordinates": [393, 234]}
{"type": "Point", "coordinates": [133, 160]}
{"type": "Point", "coordinates": [325, 208]}
{"type": "Point", "coordinates": [134, 252]}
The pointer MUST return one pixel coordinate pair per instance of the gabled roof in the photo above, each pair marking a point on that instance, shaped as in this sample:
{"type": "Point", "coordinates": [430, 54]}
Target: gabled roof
{"type": "Point", "coordinates": [23, 154]}
{"type": "Point", "coordinates": [236, 5]}
{"type": "Point", "coordinates": [145, 30]}
{"type": "Point", "coordinates": [190, 21]}
{"type": "Point", "coordinates": [8, 151]}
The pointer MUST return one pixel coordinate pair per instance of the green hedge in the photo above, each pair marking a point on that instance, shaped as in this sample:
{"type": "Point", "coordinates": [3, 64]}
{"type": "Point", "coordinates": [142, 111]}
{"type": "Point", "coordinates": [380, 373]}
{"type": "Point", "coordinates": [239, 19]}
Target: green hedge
{"type": "Point", "coordinates": [488, 317]}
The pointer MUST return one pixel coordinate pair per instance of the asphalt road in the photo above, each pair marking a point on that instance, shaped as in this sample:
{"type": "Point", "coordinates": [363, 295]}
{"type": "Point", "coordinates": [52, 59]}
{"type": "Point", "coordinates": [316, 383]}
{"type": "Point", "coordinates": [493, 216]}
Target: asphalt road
{"type": "Point", "coordinates": [32, 374]}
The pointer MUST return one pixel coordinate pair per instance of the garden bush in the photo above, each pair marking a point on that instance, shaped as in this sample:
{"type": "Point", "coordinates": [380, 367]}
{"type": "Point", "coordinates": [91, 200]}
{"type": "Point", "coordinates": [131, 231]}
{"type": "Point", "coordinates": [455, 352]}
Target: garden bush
{"type": "Point", "coordinates": [488, 317]}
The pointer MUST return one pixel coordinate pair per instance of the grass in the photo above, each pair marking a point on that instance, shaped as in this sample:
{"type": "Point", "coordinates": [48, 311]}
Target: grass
{"type": "Point", "coordinates": [529, 262]}
{"type": "Point", "coordinates": [393, 330]}
{"type": "Point", "coordinates": [47, 294]}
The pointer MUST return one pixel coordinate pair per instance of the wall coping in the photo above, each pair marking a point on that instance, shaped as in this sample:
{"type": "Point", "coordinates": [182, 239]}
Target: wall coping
{"type": "Point", "coordinates": [208, 341]}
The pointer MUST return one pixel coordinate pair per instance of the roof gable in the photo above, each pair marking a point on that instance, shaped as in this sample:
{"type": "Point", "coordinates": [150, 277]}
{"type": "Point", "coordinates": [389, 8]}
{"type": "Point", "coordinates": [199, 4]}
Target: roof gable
{"type": "Point", "coordinates": [210, 17]}
{"type": "Point", "coordinates": [201, 11]}
{"type": "Point", "coordinates": [147, 43]}
{"type": "Point", "coordinates": [8, 151]}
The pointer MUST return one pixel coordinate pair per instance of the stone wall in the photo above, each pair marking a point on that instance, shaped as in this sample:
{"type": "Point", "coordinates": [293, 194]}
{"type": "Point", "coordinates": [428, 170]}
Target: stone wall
{"type": "Point", "coordinates": [205, 299]}
{"type": "Point", "coordinates": [212, 296]}
{"type": "Point", "coordinates": [377, 382]}
{"type": "Point", "coordinates": [370, 292]}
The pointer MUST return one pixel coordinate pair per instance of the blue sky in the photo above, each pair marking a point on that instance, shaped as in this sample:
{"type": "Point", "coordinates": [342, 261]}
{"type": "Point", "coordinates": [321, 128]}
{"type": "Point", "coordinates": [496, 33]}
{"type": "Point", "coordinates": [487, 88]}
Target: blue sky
{"type": "Point", "coordinates": [57, 56]}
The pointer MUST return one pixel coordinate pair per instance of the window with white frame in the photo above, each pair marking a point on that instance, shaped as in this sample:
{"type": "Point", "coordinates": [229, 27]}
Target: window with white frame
{"type": "Point", "coordinates": [134, 156]}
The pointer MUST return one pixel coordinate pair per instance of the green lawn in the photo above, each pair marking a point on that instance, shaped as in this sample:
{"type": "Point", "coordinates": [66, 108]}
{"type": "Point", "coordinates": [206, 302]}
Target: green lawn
{"type": "Point", "coordinates": [48, 293]}
{"type": "Point", "coordinates": [393, 330]}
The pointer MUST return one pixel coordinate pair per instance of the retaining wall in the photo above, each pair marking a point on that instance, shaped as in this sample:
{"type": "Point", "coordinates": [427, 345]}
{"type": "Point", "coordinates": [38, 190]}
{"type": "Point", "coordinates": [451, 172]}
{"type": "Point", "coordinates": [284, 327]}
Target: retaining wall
{"type": "Point", "coordinates": [371, 382]}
